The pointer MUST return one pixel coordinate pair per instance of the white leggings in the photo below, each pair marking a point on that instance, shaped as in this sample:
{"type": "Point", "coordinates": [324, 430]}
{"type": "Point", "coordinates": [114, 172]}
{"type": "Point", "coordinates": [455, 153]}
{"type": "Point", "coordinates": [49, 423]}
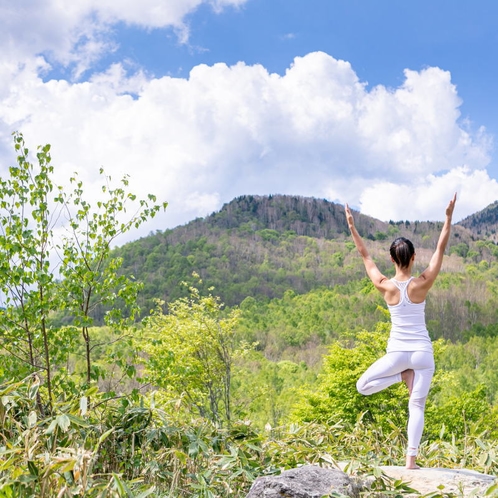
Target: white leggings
{"type": "Point", "coordinates": [387, 371]}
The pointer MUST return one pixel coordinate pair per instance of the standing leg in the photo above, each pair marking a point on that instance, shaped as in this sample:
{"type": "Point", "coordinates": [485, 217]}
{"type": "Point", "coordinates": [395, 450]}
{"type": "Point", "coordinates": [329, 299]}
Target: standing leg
{"type": "Point", "coordinates": [416, 405]}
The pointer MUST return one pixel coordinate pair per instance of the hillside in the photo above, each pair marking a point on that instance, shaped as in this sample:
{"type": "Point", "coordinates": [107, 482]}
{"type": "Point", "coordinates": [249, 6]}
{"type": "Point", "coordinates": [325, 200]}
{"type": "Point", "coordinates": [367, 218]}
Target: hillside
{"type": "Point", "coordinates": [262, 246]}
{"type": "Point", "coordinates": [483, 224]}
{"type": "Point", "coordinates": [302, 216]}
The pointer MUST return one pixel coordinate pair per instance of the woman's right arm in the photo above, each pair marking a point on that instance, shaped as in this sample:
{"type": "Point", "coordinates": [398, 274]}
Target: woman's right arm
{"type": "Point", "coordinates": [428, 276]}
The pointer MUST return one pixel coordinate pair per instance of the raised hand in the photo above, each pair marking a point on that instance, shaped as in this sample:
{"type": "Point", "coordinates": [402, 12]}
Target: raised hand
{"type": "Point", "coordinates": [349, 216]}
{"type": "Point", "coordinates": [451, 206]}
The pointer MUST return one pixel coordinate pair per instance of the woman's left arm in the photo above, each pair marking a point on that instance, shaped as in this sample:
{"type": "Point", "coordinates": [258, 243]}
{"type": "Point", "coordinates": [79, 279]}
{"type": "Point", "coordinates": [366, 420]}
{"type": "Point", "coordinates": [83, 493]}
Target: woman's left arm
{"type": "Point", "coordinates": [373, 272]}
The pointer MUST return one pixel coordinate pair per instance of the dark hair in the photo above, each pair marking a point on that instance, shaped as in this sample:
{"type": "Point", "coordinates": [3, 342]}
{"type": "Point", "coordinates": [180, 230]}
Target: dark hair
{"type": "Point", "coordinates": [402, 251]}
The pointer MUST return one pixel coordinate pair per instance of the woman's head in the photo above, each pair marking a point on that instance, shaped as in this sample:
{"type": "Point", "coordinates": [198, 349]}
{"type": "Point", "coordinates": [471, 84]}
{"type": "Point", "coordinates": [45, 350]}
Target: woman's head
{"type": "Point", "coordinates": [402, 252]}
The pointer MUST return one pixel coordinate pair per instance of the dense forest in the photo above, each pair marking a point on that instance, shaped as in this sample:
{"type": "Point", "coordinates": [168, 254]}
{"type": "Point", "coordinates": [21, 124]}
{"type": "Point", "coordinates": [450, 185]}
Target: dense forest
{"type": "Point", "coordinates": [262, 246]}
{"type": "Point", "coordinates": [265, 247]}
{"type": "Point", "coordinates": [192, 361]}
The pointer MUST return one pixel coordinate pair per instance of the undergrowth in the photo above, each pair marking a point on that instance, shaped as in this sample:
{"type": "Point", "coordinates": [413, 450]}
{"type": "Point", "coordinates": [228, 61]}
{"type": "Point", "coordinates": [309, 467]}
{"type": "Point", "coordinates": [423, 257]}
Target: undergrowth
{"type": "Point", "coordinates": [94, 446]}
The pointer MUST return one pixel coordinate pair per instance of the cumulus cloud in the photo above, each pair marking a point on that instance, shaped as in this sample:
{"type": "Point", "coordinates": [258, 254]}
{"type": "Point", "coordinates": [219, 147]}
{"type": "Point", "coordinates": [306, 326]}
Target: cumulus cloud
{"type": "Point", "coordinates": [429, 196]}
{"type": "Point", "coordinates": [80, 32]}
{"type": "Point", "coordinates": [317, 130]}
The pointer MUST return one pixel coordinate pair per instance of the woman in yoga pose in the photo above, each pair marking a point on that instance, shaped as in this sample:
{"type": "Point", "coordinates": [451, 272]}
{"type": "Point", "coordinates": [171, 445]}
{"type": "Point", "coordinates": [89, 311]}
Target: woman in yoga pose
{"type": "Point", "coordinates": [409, 357]}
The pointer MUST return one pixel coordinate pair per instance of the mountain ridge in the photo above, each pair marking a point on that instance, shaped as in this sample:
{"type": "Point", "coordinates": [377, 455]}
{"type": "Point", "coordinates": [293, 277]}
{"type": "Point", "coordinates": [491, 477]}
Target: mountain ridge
{"type": "Point", "coordinates": [324, 218]}
{"type": "Point", "coordinates": [484, 223]}
{"type": "Point", "coordinates": [262, 246]}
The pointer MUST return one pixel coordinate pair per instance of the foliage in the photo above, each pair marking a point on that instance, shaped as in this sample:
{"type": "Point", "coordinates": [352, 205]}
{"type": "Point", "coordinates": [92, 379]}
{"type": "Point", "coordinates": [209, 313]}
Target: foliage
{"type": "Point", "coordinates": [90, 277]}
{"type": "Point", "coordinates": [265, 391]}
{"type": "Point", "coordinates": [132, 447]}
{"type": "Point", "coordinates": [294, 324]}
{"type": "Point", "coordinates": [470, 367]}
{"type": "Point", "coordinates": [27, 283]}
{"type": "Point", "coordinates": [458, 415]}
{"type": "Point", "coordinates": [454, 408]}
{"type": "Point", "coordinates": [335, 398]}
{"type": "Point", "coordinates": [31, 210]}
{"type": "Point", "coordinates": [57, 455]}
{"type": "Point", "coordinates": [190, 353]}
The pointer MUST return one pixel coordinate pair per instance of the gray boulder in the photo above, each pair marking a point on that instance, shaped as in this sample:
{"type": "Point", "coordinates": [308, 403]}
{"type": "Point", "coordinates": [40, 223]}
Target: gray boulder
{"type": "Point", "coordinates": [308, 481]}
{"type": "Point", "coordinates": [311, 481]}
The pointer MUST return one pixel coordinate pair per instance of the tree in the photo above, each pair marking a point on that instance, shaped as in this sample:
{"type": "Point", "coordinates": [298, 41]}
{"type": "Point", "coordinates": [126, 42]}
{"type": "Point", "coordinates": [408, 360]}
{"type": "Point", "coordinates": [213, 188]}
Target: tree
{"type": "Point", "coordinates": [91, 279]}
{"type": "Point", "coordinates": [335, 398]}
{"type": "Point", "coordinates": [31, 208]}
{"type": "Point", "coordinates": [27, 282]}
{"type": "Point", "coordinates": [462, 414]}
{"type": "Point", "coordinates": [190, 353]}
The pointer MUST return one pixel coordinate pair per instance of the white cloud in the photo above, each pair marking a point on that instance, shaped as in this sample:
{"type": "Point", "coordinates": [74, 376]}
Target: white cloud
{"type": "Point", "coordinates": [415, 130]}
{"type": "Point", "coordinates": [80, 32]}
{"type": "Point", "coordinates": [227, 131]}
{"type": "Point", "coordinates": [426, 199]}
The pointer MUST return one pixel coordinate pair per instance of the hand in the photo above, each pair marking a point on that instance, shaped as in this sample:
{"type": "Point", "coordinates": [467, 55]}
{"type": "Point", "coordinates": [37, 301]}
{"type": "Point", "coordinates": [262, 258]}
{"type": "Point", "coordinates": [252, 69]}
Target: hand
{"type": "Point", "coordinates": [451, 206]}
{"type": "Point", "coordinates": [349, 216]}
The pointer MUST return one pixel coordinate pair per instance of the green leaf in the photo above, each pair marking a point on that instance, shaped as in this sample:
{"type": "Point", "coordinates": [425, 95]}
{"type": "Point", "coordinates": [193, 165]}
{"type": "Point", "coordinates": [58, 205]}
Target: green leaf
{"type": "Point", "coordinates": [33, 469]}
{"type": "Point", "coordinates": [63, 422]}
{"type": "Point", "coordinates": [32, 419]}
{"type": "Point", "coordinates": [51, 427]}
{"type": "Point", "coordinates": [83, 405]}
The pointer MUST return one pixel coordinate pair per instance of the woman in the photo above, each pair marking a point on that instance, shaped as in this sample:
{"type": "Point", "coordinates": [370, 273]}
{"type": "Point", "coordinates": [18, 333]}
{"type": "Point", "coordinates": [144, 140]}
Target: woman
{"type": "Point", "coordinates": [409, 357]}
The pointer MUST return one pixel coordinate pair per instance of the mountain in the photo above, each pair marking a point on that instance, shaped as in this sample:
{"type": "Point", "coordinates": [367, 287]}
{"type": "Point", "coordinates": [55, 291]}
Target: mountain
{"type": "Point", "coordinates": [262, 246]}
{"type": "Point", "coordinates": [483, 224]}
{"type": "Point", "coordinates": [304, 216]}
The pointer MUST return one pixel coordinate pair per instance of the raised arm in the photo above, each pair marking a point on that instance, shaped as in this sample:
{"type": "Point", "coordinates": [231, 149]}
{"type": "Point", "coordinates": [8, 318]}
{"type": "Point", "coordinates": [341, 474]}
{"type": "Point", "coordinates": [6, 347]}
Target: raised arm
{"type": "Point", "coordinates": [373, 272]}
{"type": "Point", "coordinates": [427, 277]}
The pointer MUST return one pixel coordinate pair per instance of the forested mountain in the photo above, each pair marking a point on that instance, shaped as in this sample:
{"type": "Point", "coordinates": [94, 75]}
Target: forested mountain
{"type": "Point", "coordinates": [262, 246]}
{"type": "Point", "coordinates": [484, 224]}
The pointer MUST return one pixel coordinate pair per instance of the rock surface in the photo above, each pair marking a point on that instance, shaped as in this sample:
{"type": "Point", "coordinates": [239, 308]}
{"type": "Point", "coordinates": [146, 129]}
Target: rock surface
{"type": "Point", "coordinates": [311, 481]}
{"type": "Point", "coordinates": [461, 482]}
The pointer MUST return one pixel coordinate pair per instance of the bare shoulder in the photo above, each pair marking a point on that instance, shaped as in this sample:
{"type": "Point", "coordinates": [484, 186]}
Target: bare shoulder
{"type": "Point", "coordinates": [423, 281]}
{"type": "Point", "coordinates": [418, 288]}
{"type": "Point", "coordinates": [383, 283]}
{"type": "Point", "coordinates": [389, 291]}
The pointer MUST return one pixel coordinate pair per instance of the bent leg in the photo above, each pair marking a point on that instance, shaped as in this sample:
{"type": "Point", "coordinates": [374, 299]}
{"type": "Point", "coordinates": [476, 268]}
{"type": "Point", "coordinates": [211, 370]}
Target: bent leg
{"type": "Point", "coordinates": [385, 372]}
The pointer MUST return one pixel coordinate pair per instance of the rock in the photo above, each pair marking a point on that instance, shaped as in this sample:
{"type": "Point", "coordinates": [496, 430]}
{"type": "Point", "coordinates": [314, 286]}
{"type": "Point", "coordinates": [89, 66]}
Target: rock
{"type": "Point", "coordinates": [462, 482]}
{"type": "Point", "coordinates": [309, 481]}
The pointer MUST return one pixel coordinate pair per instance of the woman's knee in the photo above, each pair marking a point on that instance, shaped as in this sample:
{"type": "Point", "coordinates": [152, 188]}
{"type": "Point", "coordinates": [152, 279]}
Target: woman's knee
{"type": "Point", "coordinates": [416, 403]}
{"type": "Point", "coordinates": [361, 386]}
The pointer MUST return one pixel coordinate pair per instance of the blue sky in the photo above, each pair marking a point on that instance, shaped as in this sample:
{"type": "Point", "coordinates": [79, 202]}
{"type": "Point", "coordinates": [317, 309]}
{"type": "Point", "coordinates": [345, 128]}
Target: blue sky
{"type": "Point", "coordinates": [370, 103]}
{"type": "Point", "coordinates": [380, 39]}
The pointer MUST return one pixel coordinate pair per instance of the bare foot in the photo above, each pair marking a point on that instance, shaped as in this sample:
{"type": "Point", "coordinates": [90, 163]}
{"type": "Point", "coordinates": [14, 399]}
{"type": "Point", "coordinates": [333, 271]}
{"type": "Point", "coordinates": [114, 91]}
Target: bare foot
{"type": "Point", "coordinates": [407, 377]}
{"type": "Point", "coordinates": [410, 463]}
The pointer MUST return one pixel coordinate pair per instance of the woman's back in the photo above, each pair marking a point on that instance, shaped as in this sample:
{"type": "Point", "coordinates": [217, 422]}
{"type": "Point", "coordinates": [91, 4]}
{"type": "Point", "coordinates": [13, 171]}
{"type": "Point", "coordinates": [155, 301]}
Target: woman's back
{"type": "Point", "coordinates": [408, 328]}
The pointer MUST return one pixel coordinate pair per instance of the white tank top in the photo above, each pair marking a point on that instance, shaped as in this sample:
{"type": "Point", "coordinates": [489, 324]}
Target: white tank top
{"type": "Point", "coordinates": [408, 329]}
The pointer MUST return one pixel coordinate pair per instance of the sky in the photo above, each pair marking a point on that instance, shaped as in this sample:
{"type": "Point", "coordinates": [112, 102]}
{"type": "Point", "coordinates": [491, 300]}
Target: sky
{"type": "Point", "coordinates": [389, 106]}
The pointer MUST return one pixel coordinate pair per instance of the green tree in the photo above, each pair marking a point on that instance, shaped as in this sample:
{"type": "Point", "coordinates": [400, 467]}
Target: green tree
{"type": "Point", "coordinates": [265, 391]}
{"type": "Point", "coordinates": [91, 279]}
{"type": "Point", "coordinates": [335, 397]}
{"type": "Point", "coordinates": [463, 414]}
{"type": "Point", "coordinates": [31, 209]}
{"type": "Point", "coordinates": [190, 353]}
{"type": "Point", "coordinates": [27, 283]}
